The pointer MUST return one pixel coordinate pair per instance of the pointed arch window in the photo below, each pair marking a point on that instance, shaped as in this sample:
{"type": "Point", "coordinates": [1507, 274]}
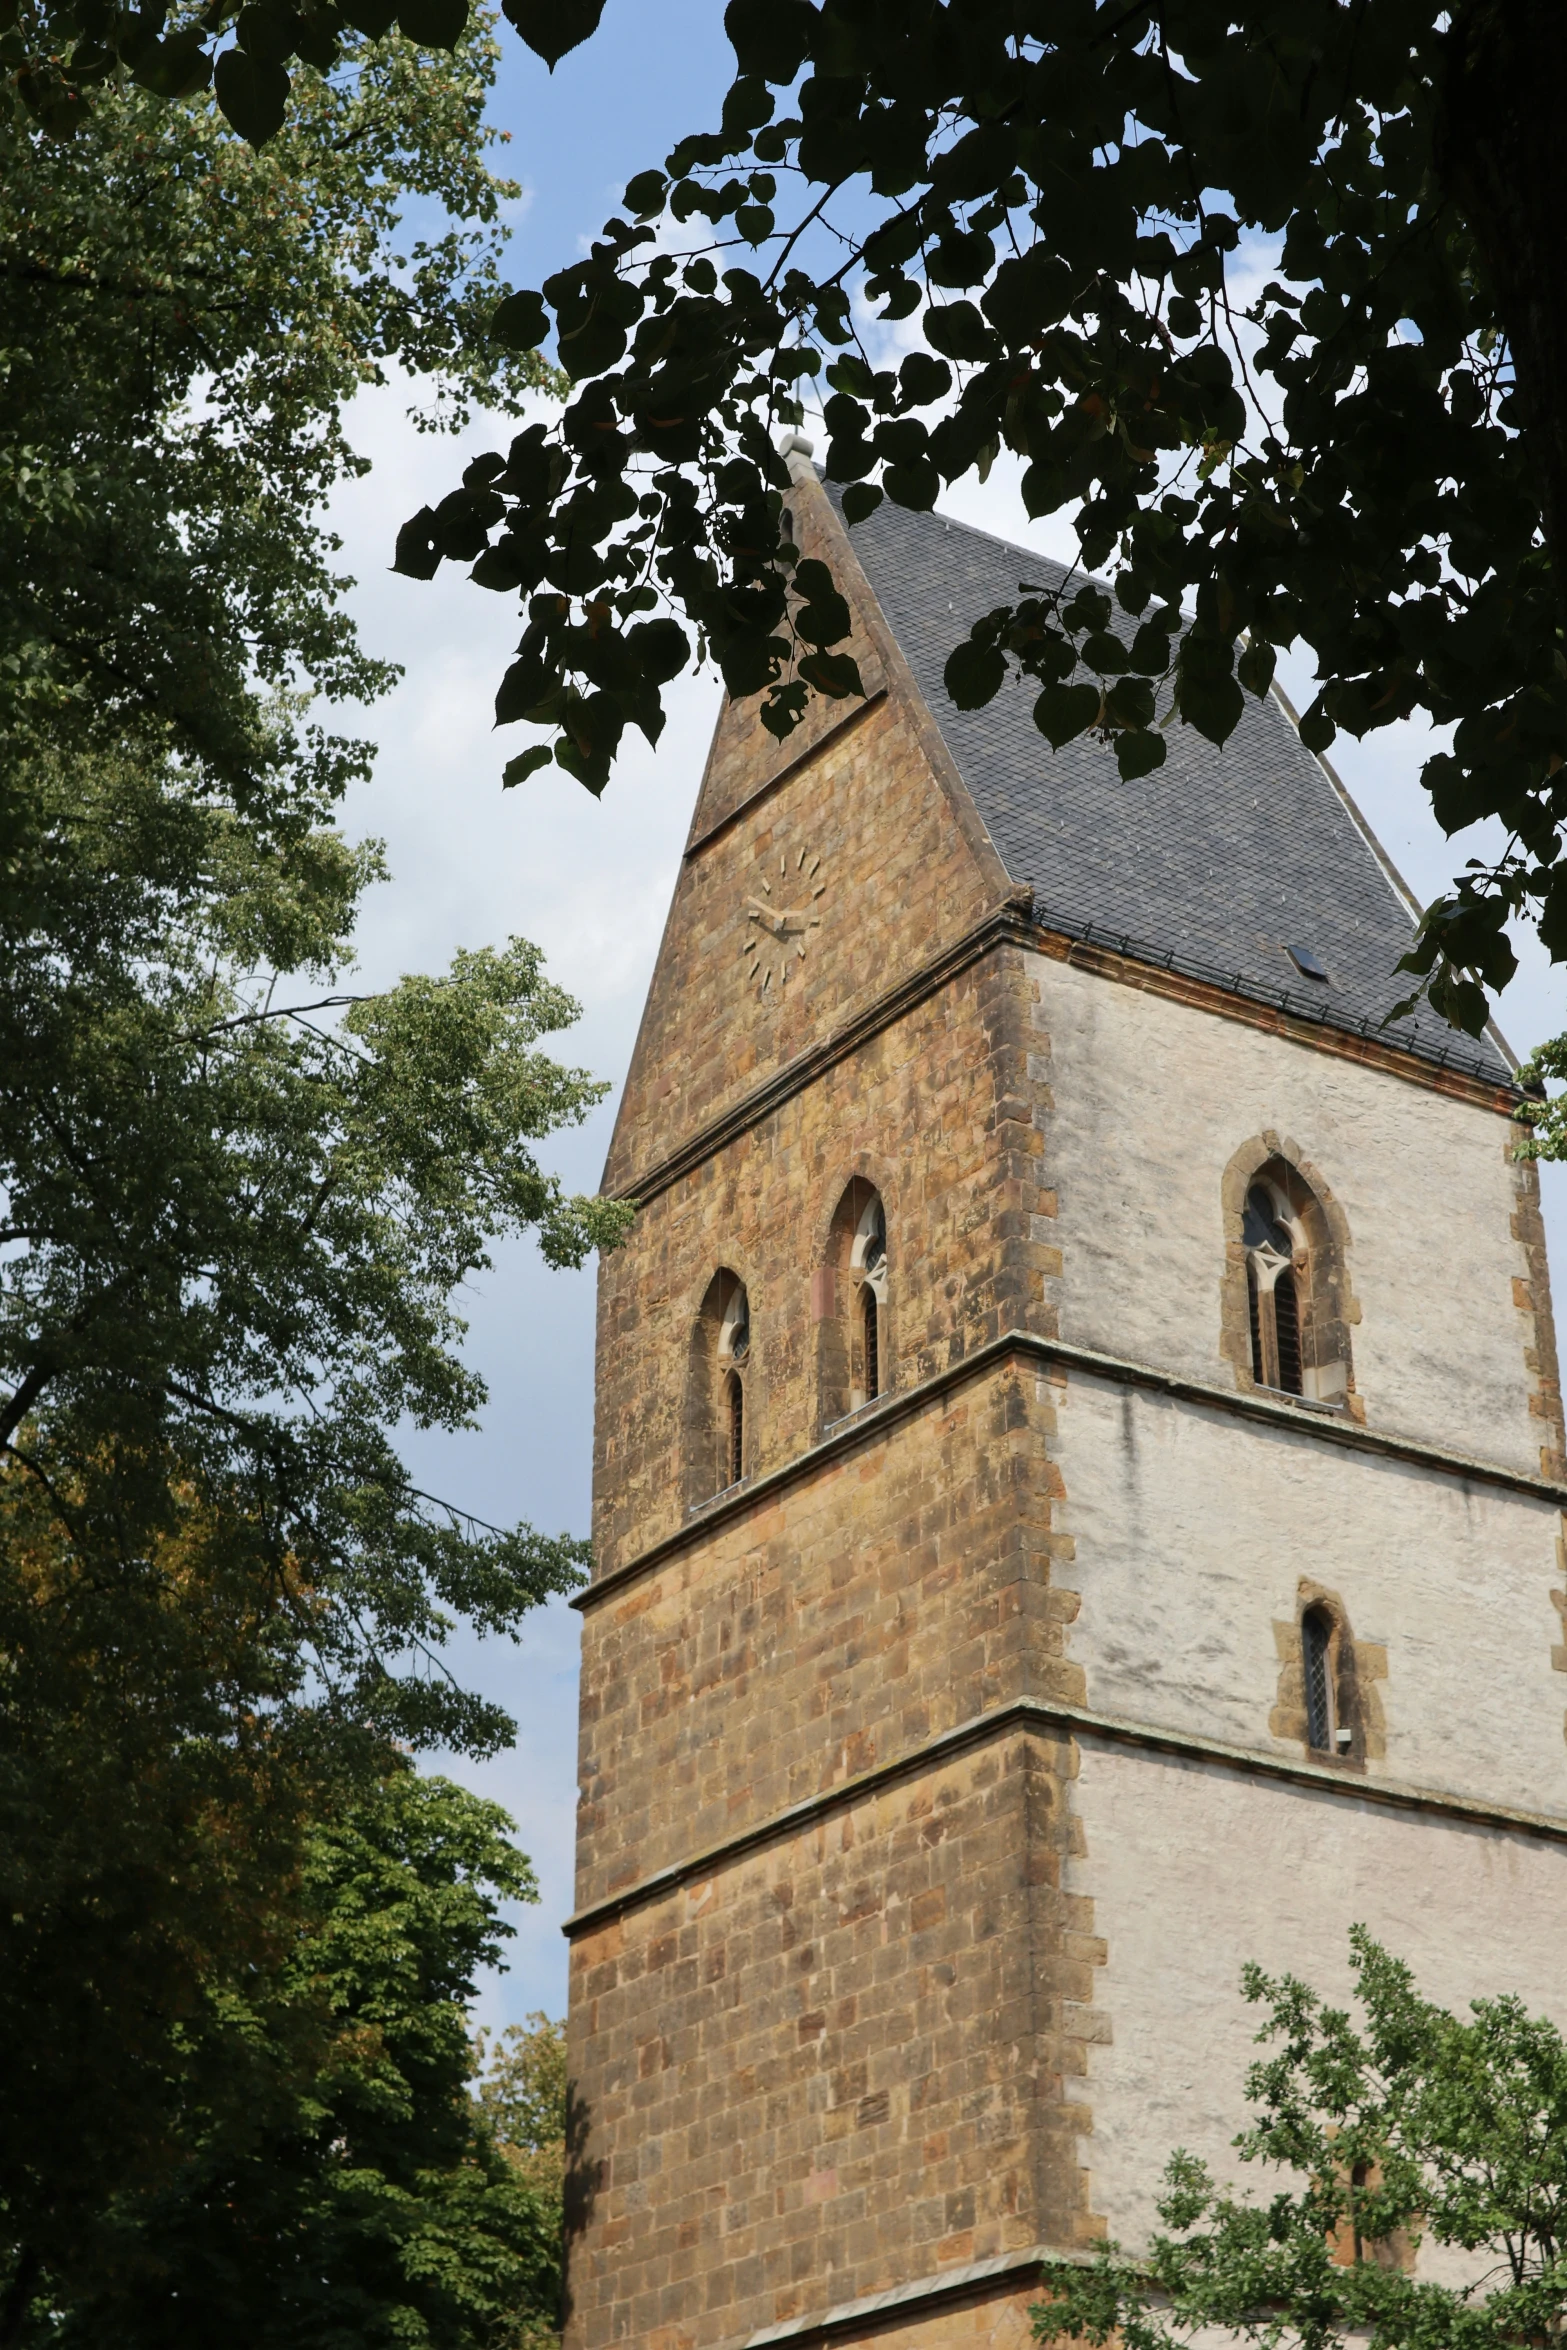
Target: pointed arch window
{"type": "Point", "coordinates": [734, 1399]}
{"type": "Point", "coordinates": [850, 1291]}
{"type": "Point", "coordinates": [719, 1419]}
{"type": "Point", "coordinates": [869, 1259]}
{"type": "Point", "coordinates": [1295, 1288]}
{"type": "Point", "coordinates": [1274, 1243]}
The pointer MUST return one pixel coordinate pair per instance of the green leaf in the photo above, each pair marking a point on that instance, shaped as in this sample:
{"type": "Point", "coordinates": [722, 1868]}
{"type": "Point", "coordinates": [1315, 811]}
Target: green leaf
{"type": "Point", "coordinates": [1063, 712]}
{"type": "Point", "coordinates": [1256, 666]}
{"type": "Point", "coordinates": [552, 27]}
{"type": "Point", "coordinates": [860, 499]}
{"type": "Point", "coordinates": [957, 330]}
{"type": "Point", "coordinates": [1139, 754]}
{"type": "Point", "coordinates": [645, 194]}
{"type": "Point", "coordinates": [1317, 728]}
{"type": "Point", "coordinates": [522, 689]}
{"type": "Point", "coordinates": [770, 37]}
{"type": "Point", "coordinates": [916, 485]}
{"type": "Point", "coordinates": [526, 763]}
{"type": "Point", "coordinates": [253, 96]}
{"type": "Point", "coordinates": [520, 322]}
{"type": "Point", "coordinates": [418, 553]}
{"type": "Point", "coordinates": [662, 649]}
{"type": "Point", "coordinates": [268, 31]}
{"type": "Point", "coordinates": [177, 68]}
{"type": "Point", "coordinates": [974, 674]}
{"type": "Point", "coordinates": [1130, 702]}
{"type": "Point", "coordinates": [433, 24]}
{"type": "Point", "coordinates": [373, 18]}
{"type": "Point", "coordinates": [835, 674]}
{"type": "Point", "coordinates": [1215, 706]}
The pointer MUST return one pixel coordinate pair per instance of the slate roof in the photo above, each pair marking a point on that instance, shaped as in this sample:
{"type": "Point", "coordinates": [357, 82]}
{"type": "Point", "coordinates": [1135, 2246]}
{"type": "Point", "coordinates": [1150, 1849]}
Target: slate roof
{"type": "Point", "coordinates": [1216, 864]}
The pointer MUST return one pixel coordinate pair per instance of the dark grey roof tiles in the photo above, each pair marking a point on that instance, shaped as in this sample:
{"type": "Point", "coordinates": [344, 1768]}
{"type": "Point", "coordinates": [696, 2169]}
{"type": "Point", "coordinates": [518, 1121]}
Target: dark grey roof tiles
{"type": "Point", "coordinates": [1217, 864]}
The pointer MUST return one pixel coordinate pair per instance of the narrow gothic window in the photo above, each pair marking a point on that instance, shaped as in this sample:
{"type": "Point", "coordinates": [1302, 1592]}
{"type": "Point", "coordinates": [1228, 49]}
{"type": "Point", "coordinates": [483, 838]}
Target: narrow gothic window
{"type": "Point", "coordinates": [1316, 1643]}
{"type": "Point", "coordinates": [715, 1428]}
{"type": "Point", "coordinates": [1286, 1325]}
{"type": "Point", "coordinates": [850, 1304]}
{"type": "Point", "coordinates": [736, 1401]}
{"type": "Point", "coordinates": [1294, 1289]}
{"type": "Point", "coordinates": [869, 1313]}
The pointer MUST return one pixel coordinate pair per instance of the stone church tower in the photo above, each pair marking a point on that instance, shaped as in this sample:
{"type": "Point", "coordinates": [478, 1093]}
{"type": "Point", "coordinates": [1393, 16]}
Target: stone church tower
{"type": "Point", "coordinates": [1078, 1499]}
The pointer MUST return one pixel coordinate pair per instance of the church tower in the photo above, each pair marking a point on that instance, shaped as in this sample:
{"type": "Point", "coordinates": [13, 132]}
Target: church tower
{"type": "Point", "coordinates": [1078, 1488]}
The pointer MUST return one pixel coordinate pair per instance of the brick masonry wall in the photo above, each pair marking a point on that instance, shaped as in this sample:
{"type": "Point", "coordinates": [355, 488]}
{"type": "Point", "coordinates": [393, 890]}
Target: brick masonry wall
{"type": "Point", "coordinates": [900, 1590]}
{"type": "Point", "coordinates": [935, 1112]}
{"type": "Point", "coordinates": [838, 2064]}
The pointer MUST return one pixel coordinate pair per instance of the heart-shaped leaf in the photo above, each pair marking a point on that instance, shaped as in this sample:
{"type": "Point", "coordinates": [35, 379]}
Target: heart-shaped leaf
{"type": "Point", "coordinates": [551, 27]}
{"type": "Point", "coordinates": [521, 322]}
{"type": "Point", "coordinates": [253, 95]}
{"type": "Point", "coordinates": [433, 24]}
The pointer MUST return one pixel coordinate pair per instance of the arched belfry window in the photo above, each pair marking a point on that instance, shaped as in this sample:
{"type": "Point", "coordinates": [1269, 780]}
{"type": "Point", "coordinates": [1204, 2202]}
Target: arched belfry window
{"type": "Point", "coordinates": [1299, 1342]}
{"type": "Point", "coordinates": [868, 1259]}
{"type": "Point", "coordinates": [1274, 1245]}
{"type": "Point", "coordinates": [850, 1300]}
{"type": "Point", "coordinates": [718, 1429]}
{"type": "Point", "coordinates": [734, 1350]}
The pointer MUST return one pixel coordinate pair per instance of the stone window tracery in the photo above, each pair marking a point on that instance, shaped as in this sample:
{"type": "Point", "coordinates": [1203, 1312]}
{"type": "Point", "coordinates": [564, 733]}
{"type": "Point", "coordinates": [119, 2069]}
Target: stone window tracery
{"type": "Point", "coordinates": [1295, 1288]}
{"type": "Point", "coordinates": [850, 1296]}
{"type": "Point", "coordinates": [719, 1428]}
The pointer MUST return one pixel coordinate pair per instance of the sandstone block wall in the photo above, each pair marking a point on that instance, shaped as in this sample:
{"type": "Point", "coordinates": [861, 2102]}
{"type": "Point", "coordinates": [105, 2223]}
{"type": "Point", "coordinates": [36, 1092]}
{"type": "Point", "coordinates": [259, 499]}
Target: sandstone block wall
{"type": "Point", "coordinates": [867, 823]}
{"type": "Point", "coordinates": [934, 1111]}
{"type": "Point", "coordinates": [837, 2064]}
{"type": "Point", "coordinates": [901, 1589]}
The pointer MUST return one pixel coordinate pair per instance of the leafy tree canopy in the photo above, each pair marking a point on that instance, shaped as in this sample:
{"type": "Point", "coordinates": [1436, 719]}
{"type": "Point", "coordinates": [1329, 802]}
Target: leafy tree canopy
{"type": "Point", "coordinates": [238, 1199]}
{"type": "Point", "coordinates": [234, 1231]}
{"type": "Point", "coordinates": [1269, 297]}
{"type": "Point", "coordinates": [182, 322]}
{"type": "Point", "coordinates": [524, 2094]}
{"type": "Point", "coordinates": [358, 2193]}
{"type": "Point", "coordinates": [1409, 2128]}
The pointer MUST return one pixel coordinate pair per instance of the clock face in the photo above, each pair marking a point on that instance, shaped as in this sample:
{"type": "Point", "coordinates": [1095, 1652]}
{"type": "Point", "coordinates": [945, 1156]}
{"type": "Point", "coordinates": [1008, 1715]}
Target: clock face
{"type": "Point", "coordinates": [780, 916]}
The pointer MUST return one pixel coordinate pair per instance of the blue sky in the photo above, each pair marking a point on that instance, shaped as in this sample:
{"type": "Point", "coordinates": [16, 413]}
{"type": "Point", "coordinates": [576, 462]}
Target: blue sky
{"type": "Point", "coordinates": [590, 881]}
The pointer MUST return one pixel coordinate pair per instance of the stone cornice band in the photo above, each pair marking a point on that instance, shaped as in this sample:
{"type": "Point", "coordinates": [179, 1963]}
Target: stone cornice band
{"type": "Point", "coordinates": [903, 1403]}
{"type": "Point", "coordinates": [1015, 923]}
{"type": "Point", "coordinates": [1071, 1721]}
{"type": "Point", "coordinates": [948, 2284]}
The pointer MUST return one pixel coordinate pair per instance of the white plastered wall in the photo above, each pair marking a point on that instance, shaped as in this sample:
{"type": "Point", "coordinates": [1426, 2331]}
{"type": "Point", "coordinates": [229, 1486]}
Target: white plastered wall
{"type": "Point", "coordinates": [1194, 1869]}
{"type": "Point", "coordinates": [1193, 1529]}
{"type": "Point", "coordinates": [1149, 1099]}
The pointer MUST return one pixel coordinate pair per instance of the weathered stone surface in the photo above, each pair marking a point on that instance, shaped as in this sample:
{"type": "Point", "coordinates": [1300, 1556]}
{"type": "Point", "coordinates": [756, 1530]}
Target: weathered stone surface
{"type": "Point", "coordinates": [839, 2064]}
{"type": "Point", "coordinates": [934, 1112]}
{"type": "Point", "coordinates": [902, 1589]}
{"type": "Point", "coordinates": [967, 2006]}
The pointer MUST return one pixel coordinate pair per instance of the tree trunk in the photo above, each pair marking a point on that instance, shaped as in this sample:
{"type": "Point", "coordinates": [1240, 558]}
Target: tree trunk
{"type": "Point", "coordinates": [1501, 159]}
